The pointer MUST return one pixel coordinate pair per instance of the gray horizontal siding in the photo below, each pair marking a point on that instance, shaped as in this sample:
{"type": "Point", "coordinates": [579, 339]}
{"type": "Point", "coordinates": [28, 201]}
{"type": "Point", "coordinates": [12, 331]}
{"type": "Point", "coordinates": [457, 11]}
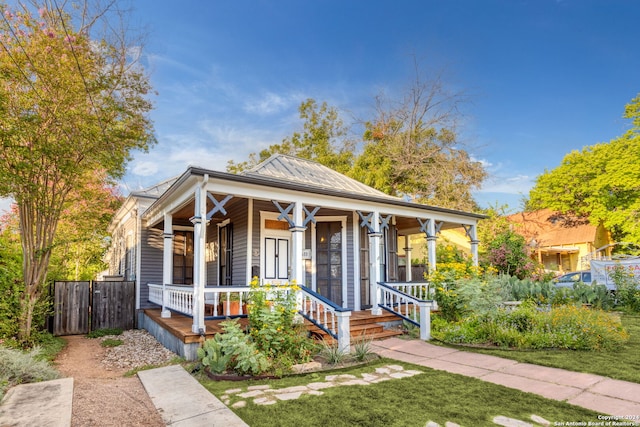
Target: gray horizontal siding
{"type": "Point", "coordinates": [150, 262]}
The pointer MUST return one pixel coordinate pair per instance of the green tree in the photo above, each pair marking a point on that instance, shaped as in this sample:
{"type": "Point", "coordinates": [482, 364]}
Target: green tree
{"type": "Point", "coordinates": [10, 271]}
{"type": "Point", "coordinates": [71, 101]}
{"type": "Point", "coordinates": [601, 182]}
{"type": "Point", "coordinates": [80, 242]}
{"type": "Point", "coordinates": [412, 149]}
{"type": "Point", "coordinates": [323, 139]}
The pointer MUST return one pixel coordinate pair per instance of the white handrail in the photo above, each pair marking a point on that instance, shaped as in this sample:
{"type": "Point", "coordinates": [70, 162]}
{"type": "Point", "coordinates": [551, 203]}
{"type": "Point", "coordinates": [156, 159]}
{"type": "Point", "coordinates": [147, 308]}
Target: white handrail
{"type": "Point", "coordinates": [218, 300]}
{"type": "Point", "coordinates": [411, 308]}
{"type": "Point", "coordinates": [328, 317]}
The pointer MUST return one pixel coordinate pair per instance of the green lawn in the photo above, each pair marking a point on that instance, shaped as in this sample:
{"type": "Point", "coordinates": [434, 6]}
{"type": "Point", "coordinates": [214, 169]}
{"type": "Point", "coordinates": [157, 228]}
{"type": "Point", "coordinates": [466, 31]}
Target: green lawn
{"type": "Point", "coordinates": [434, 395]}
{"type": "Point", "coordinates": [623, 364]}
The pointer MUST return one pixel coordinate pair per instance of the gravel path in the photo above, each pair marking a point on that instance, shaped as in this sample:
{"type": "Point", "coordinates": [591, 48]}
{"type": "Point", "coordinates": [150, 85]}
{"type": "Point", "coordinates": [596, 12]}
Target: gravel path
{"type": "Point", "coordinates": [102, 396]}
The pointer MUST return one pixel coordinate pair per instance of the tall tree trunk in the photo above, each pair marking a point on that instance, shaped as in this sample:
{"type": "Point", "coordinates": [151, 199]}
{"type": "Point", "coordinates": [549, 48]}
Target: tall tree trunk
{"type": "Point", "coordinates": [37, 232]}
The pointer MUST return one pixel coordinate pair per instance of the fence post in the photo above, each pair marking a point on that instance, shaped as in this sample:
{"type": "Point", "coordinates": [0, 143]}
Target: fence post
{"type": "Point", "coordinates": [425, 320]}
{"type": "Point", "coordinates": [344, 331]}
{"type": "Point", "coordinates": [166, 313]}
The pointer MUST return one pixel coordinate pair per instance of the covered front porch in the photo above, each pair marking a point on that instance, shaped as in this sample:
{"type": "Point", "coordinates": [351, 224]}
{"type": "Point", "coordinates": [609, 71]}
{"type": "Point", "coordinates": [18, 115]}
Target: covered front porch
{"type": "Point", "coordinates": [172, 322]}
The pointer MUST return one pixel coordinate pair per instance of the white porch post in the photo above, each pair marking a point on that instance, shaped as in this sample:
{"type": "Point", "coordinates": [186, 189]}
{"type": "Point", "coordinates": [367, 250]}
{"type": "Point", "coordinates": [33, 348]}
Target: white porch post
{"type": "Point", "coordinates": [425, 320]}
{"type": "Point", "coordinates": [167, 262]}
{"type": "Point", "coordinates": [375, 258]}
{"type": "Point", "coordinates": [297, 235]}
{"type": "Point", "coordinates": [344, 331]}
{"type": "Point", "coordinates": [431, 244]}
{"type": "Point", "coordinates": [407, 257]}
{"type": "Point", "coordinates": [199, 265]}
{"type": "Point", "coordinates": [473, 237]}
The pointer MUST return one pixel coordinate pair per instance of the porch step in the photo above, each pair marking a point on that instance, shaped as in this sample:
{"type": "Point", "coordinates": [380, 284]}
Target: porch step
{"type": "Point", "coordinates": [362, 325]}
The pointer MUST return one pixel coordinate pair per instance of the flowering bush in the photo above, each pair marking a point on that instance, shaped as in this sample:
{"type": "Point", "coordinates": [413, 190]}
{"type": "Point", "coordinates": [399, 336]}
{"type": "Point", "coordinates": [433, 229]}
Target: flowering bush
{"type": "Point", "coordinates": [273, 326]}
{"type": "Point", "coordinates": [508, 253]}
{"type": "Point", "coordinates": [562, 327]}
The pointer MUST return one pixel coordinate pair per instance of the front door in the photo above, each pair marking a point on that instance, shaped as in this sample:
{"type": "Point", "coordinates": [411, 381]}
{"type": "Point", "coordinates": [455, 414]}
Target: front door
{"type": "Point", "coordinates": [329, 260]}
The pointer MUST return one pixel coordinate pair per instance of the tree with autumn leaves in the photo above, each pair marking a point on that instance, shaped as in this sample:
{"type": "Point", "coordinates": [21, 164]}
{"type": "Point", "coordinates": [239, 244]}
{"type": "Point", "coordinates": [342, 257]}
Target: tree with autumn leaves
{"type": "Point", "coordinates": [410, 147]}
{"type": "Point", "coordinates": [73, 105]}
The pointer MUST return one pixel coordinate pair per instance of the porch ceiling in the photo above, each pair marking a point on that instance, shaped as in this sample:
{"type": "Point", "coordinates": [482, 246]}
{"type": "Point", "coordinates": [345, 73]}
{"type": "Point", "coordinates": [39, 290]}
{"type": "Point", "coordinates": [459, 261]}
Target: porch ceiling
{"type": "Point", "coordinates": [408, 225]}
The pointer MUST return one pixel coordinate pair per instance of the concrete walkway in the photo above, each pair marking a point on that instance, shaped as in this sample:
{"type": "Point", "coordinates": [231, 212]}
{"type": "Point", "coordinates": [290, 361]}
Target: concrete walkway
{"type": "Point", "coordinates": [46, 403]}
{"type": "Point", "coordinates": [182, 401]}
{"type": "Point", "coordinates": [595, 392]}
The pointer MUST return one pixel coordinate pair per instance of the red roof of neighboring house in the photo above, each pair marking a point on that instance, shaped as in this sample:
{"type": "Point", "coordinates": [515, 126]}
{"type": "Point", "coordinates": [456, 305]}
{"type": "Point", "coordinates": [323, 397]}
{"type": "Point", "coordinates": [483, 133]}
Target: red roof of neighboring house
{"type": "Point", "coordinates": [550, 228]}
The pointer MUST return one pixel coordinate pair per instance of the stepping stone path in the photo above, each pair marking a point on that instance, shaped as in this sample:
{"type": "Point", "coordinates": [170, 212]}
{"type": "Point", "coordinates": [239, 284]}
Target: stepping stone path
{"type": "Point", "coordinates": [503, 421]}
{"type": "Point", "coordinates": [265, 395]}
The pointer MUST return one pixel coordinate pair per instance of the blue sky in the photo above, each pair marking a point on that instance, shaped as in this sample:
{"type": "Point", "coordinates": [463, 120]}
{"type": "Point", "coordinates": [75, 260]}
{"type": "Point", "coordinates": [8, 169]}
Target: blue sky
{"type": "Point", "coordinates": [544, 76]}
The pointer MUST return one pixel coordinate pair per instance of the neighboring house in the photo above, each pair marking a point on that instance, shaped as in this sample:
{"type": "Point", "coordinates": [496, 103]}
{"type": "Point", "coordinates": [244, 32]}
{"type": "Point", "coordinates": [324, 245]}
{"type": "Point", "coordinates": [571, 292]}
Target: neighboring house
{"type": "Point", "coordinates": [561, 243]}
{"type": "Point", "coordinates": [287, 219]}
{"type": "Point", "coordinates": [125, 251]}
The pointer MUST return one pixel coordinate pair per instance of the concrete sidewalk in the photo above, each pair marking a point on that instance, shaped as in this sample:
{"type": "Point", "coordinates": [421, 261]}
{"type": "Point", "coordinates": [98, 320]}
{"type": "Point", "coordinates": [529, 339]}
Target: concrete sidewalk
{"type": "Point", "coordinates": [601, 394]}
{"type": "Point", "coordinates": [46, 403]}
{"type": "Point", "coordinates": [182, 401]}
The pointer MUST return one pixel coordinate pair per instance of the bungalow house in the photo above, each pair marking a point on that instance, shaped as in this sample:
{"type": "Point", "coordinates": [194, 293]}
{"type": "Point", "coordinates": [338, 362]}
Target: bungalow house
{"type": "Point", "coordinates": [561, 243]}
{"type": "Point", "coordinates": [200, 242]}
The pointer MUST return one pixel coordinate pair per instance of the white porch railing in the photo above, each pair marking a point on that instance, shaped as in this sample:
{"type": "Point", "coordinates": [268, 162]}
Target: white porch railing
{"type": "Point", "coordinates": [220, 301]}
{"type": "Point", "coordinates": [326, 315]}
{"type": "Point", "coordinates": [402, 299]}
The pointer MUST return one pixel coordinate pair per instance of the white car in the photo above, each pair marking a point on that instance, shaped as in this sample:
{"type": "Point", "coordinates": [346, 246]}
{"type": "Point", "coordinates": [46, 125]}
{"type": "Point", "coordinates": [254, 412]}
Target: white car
{"type": "Point", "coordinates": [567, 280]}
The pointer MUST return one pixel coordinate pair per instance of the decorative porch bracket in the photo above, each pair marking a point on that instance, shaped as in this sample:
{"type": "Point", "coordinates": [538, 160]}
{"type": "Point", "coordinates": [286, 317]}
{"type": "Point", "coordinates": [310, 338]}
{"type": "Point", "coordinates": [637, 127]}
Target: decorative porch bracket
{"type": "Point", "coordinates": [426, 224]}
{"type": "Point", "coordinates": [384, 221]}
{"type": "Point", "coordinates": [309, 216]}
{"type": "Point", "coordinates": [218, 206]}
{"type": "Point", "coordinates": [467, 231]}
{"type": "Point", "coordinates": [471, 232]}
{"type": "Point", "coordinates": [284, 213]}
{"type": "Point", "coordinates": [366, 221]}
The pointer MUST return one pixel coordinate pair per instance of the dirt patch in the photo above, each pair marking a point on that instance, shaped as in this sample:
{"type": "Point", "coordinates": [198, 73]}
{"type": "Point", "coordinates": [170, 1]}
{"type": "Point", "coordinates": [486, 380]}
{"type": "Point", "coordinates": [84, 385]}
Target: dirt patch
{"type": "Point", "coordinates": [101, 396]}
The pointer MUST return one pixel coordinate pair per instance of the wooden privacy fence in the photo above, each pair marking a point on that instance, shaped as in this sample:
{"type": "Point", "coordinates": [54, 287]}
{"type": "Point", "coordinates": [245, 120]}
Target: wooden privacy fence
{"type": "Point", "coordinates": [81, 307]}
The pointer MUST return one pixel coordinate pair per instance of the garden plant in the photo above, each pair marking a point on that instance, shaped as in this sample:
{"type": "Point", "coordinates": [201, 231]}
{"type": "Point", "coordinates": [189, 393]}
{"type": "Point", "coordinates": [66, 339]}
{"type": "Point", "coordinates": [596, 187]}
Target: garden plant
{"type": "Point", "coordinates": [276, 338]}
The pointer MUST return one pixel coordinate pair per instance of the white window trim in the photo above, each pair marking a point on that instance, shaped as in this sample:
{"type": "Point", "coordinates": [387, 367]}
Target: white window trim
{"type": "Point", "coordinates": [264, 233]}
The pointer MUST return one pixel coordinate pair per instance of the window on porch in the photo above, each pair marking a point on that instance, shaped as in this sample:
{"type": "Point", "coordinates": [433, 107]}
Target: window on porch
{"type": "Point", "coordinates": [183, 257]}
{"type": "Point", "coordinates": [225, 235]}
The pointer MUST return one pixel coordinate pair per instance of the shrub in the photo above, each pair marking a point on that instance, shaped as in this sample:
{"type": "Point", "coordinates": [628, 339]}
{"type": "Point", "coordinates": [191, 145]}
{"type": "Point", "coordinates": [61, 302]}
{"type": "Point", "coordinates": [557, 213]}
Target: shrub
{"type": "Point", "coordinates": [274, 343]}
{"type": "Point", "coordinates": [233, 350]}
{"type": "Point", "coordinates": [627, 289]}
{"type": "Point", "coordinates": [273, 326]}
{"type": "Point", "coordinates": [509, 254]}
{"type": "Point", "coordinates": [362, 349]}
{"type": "Point", "coordinates": [563, 327]}
{"type": "Point", "coordinates": [333, 353]}
{"type": "Point", "coordinates": [18, 367]}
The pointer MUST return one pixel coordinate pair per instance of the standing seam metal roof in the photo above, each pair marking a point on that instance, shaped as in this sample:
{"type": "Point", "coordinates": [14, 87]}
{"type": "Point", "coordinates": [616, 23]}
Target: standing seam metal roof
{"type": "Point", "coordinates": [310, 173]}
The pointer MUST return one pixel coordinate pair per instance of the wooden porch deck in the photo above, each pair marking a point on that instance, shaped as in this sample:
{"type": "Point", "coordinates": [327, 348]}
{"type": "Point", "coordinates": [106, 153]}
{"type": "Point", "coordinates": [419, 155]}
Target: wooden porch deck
{"type": "Point", "coordinates": [362, 323]}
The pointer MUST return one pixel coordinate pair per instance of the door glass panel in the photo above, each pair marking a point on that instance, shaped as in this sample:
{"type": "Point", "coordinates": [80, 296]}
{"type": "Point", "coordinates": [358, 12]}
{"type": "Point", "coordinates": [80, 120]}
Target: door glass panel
{"type": "Point", "coordinates": [329, 260]}
{"type": "Point", "coordinates": [270, 258]}
{"type": "Point", "coordinates": [283, 259]}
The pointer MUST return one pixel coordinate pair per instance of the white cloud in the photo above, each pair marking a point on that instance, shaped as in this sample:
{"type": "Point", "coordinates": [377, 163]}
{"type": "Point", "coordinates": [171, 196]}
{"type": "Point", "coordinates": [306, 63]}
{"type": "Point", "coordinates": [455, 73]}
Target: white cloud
{"type": "Point", "coordinates": [272, 103]}
{"type": "Point", "coordinates": [144, 168]}
{"type": "Point", "coordinates": [519, 184]}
